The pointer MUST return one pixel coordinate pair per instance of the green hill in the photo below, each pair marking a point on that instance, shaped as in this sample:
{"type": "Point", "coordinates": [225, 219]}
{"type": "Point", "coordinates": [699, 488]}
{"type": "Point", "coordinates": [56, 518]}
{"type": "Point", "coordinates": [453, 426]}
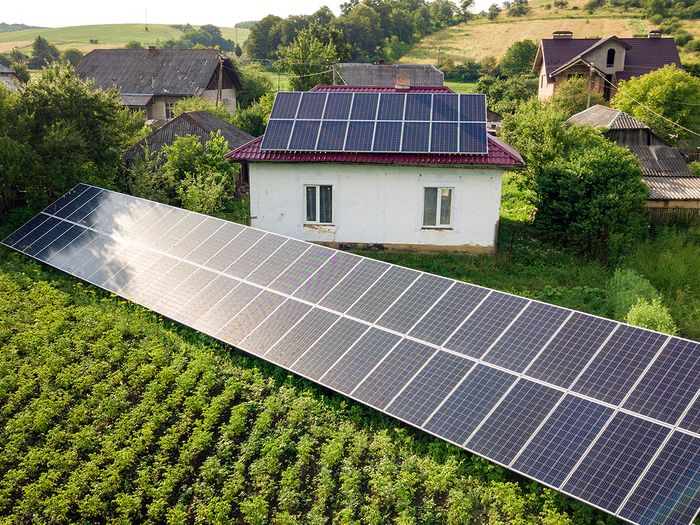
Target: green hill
{"type": "Point", "coordinates": [107, 36]}
{"type": "Point", "coordinates": [481, 38]}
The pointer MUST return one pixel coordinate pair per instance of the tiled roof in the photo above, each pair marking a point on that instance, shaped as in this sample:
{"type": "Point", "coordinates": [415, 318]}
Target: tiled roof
{"type": "Point", "coordinates": [644, 54]}
{"type": "Point", "coordinates": [386, 74]}
{"type": "Point", "coordinates": [500, 154]}
{"type": "Point", "coordinates": [673, 188]}
{"type": "Point", "coordinates": [385, 89]}
{"type": "Point", "coordinates": [608, 118]}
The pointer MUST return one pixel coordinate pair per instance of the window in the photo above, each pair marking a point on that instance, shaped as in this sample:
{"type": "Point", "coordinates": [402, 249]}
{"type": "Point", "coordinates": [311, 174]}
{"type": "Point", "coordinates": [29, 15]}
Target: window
{"type": "Point", "coordinates": [319, 204]}
{"type": "Point", "coordinates": [169, 113]}
{"type": "Point", "coordinates": [611, 58]}
{"type": "Point", "coordinates": [437, 207]}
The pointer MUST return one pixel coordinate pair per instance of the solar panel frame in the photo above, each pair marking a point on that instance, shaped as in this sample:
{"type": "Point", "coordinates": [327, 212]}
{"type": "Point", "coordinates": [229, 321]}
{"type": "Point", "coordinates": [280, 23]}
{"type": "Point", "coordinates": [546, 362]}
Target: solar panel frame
{"type": "Point", "coordinates": [620, 411]}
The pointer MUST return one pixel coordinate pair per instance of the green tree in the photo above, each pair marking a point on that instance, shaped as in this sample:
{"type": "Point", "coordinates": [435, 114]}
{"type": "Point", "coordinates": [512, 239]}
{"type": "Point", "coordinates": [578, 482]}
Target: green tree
{"type": "Point", "coordinates": [505, 95]}
{"type": "Point", "coordinates": [253, 119]}
{"type": "Point", "coordinates": [72, 56]}
{"type": "Point", "coordinates": [185, 105]}
{"type": "Point", "coordinates": [465, 9]}
{"type": "Point", "coordinates": [519, 8]}
{"type": "Point", "coordinates": [573, 95]}
{"type": "Point", "coordinates": [133, 44]}
{"type": "Point", "coordinates": [256, 83]}
{"type": "Point", "coordinates": [660, 99]}
{"type": "Point", "coordinates": [362, 32]}
{"type": "Point", "coordinates": [21, 70]}
{"type": "Point", "coordinates": [652, 315]}
{"type": "Point", "coordinates": [518, 58]}
{"type": "Point", "coordinates": [263, 40]}
{"type": "Point", "coordinates": [442, 13]}
{"type": "Point", "coordinates": [494, 11]}
{"type": "Point", "coordinates": [308, 61]}
{"type": "Point", "coordinates": [43, 53]}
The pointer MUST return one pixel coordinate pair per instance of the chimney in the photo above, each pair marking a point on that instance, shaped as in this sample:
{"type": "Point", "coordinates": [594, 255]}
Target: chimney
{"type": "Point", "coordinates": [403, 82]}
{"type": "Point", "coordinates": [562, 35]}
{"type": "Point", "coordinates": [151, 49]}
{"type": "Point", "coordinates": [655, 33]}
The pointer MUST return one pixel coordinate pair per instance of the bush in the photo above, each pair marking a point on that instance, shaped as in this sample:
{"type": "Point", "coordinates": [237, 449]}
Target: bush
{"type": "Point", "coordinates": [652, 315]}
{"type": "Point", "coordinates": [625, 288]}
{"type": "Point", "coordinates": [695, 168]}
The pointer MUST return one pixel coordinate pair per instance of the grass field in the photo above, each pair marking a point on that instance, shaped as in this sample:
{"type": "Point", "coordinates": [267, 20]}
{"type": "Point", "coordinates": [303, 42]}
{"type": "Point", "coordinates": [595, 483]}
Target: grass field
{"type": "Point", "coordinates": [107, 36]}
{"type": "Point", "coordinates": [483, 38]}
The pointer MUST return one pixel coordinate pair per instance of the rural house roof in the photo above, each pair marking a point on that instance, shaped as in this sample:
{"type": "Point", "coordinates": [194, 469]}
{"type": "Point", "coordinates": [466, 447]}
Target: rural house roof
{"type": "Point", "coordinates": [4, 69]}
{"type": "Point", "coordinates": [605, 117]}
{"type": "Point", "coordinates": [177, 72]}
{"type": "Point", "coordinates": [384, 89]}
{"type": "Point", "coordinates": [673, 188]}
{"type": "Point", "coordinates": [197, 123]}
{"type": "Point", "coordinates": [643, 55]}
{"type": "Point", "coordinates": [387, 74]}
{"type": "Point", "coordinates": [9, 78]}
{"type": "Point", "coordinates": [661, 161]}
{"type": "Point", "coordinates": [500, 155]}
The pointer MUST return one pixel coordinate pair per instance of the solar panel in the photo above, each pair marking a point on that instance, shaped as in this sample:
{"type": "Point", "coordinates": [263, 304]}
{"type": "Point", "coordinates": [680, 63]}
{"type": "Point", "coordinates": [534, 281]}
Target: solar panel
{"type": "Point", "coordinates": [442, 123]}
{"type": "Point", "coordinates": [602, 411]}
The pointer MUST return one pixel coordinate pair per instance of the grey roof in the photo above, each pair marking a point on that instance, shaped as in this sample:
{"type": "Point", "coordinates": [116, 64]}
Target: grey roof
{"type": "Point", "coordinates": [608, 118]}
{"type": "Point", "coordinates": [198, 123]}
{"type": "Point", "coordinates": [136, 101]}
{"type": "Point", "coordinates": [673, 188]}
{"type": "Point", "coordinates": [177, 72]}
{"type": "Point", "coordinates": [386, 74]}
{"type": "Point", "coordinates": [9, 81]}
{"type": "Point", "coordinates": [5, 69]}
{"type": "Point", "coordinates": [661, 161]}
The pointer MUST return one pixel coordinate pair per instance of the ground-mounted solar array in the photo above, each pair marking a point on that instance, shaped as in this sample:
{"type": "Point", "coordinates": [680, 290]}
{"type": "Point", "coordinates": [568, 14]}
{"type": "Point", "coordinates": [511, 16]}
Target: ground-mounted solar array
{"type": "Point", "coordinates": [377, 122]}
{"type": "Point", "coordinates": [602, 411]}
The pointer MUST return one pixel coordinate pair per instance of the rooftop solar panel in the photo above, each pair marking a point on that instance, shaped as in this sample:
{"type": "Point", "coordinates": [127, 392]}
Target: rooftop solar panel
{"type": "Point", "coordinates": [605, 412]}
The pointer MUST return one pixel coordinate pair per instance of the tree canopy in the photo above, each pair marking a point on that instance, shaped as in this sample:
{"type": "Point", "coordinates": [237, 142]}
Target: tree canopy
{"type": "Point", "coordinates": [518, 58]}
{"type": "Point", "coordinates": [308, 61]}
{"type": "Point", "coordinates": [43, 53]}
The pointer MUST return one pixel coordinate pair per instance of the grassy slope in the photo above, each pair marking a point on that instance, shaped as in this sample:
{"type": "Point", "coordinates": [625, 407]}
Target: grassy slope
{"type": "Point", "coordinates": [108, 36]}
{"type": "Point", "coordinates": [482, 38]}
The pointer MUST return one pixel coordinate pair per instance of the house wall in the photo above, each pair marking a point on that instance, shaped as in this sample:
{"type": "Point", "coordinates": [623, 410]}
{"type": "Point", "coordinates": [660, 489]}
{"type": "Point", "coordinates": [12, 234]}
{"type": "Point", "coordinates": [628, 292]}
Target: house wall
{"type": "Point", "coordinates": [378, 204]}
{"type": "Point", "coordinates": [599, 57]}
{"type": "Point", "coordinates": [228, 97]}
{"type": "Point", "coordinates": [545, 87]}
{"type": "Point", "coordinates": [634, 137]}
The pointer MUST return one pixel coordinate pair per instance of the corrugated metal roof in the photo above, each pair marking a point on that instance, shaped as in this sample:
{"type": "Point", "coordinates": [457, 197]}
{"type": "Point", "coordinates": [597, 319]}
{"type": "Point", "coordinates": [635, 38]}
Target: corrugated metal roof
{"type": "Point", "coordinates": [136, 101]}
{"type": "Point", "coordinates": [644, 54]}
{"type": "Point", "coordinates": [197, 123]}
{"type": "Point", "coordinates": [177, 72]}
{"type": "Point", "coordinates": [608, 118]}
{"type": "Point", "coordinates": [384, 89]}
{"type": "Point", "coordinates": [386, 74]}
{"type": "Point", "coordinates": [500, 154]}
{"type": "Point", "coordinates": [673, 188]}
{"type": "Point", "coordinates": [661, 161]}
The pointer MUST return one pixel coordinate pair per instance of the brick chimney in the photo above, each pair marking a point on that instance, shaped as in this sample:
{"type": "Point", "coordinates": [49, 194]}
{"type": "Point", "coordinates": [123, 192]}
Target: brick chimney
{"type": "Point", "coordinates": [403, 82]}
{"type": "Point", "coordinates": [562, 35]}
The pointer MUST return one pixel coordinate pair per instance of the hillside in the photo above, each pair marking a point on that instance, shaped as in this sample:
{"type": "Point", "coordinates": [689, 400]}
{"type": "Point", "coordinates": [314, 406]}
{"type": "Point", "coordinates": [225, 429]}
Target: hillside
{"type": "Point", "coordinates": [481, 38]}
{"type": "Point", "coordinates": [107, 36]}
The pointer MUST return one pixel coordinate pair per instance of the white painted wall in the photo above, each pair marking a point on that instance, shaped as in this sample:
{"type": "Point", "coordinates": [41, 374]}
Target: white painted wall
{"type": "Point", "coordinates": [380, 204]}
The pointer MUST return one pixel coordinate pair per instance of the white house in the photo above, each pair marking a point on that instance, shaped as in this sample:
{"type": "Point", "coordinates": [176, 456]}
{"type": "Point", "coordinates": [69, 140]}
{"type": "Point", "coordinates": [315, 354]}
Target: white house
{"type": "Point", "coordinates": [425, 201]}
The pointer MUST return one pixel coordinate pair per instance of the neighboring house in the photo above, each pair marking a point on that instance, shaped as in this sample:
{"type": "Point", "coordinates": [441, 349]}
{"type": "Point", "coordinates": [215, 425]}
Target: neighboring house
{"type": "Point", "coordinates": [198, 123]}
{"type": "Point", "coordinates": [664, 169]}
{"type": "Point", "coordinates": [9, 78]}
{"type": "Point", "coordinates": [428, 201]}
{"type": "Point", "coordinates": [605, 61]}
{"type": "Point", "coordinates": [390, 75]}
{"type": "Point", "coordinates": [153, 80]}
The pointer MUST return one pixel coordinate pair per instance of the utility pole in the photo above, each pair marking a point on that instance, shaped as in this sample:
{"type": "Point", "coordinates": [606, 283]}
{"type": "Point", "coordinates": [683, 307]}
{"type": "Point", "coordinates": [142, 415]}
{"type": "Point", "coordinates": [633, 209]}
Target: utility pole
{"type": "Point", "coordinates": [221, 80]}
{"type": "Point", "coordinates": [438, 60]}
{"type": "Point", "coordinates": [590, 87]}
{"type": "Point", "coordinates": [335, 73]}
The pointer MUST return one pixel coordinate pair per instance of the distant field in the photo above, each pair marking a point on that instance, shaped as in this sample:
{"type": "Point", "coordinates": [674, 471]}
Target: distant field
{"type": "Point", "coordinates": [461, 87]}
{"type": "Point", "coordinates": [482, 38]}
{"type": "Point", "coordinates": [107, 36]}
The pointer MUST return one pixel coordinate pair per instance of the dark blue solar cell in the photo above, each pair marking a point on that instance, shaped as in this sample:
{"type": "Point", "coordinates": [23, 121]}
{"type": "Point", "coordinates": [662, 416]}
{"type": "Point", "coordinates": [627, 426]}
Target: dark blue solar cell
{"type": "Point", "coordinates": [65, 199]}
{"type": "Point", "coordinates": [277, 134]}
{"type": "Point", "coordinates": [78, 202]}
{"type": "Point", "coordinates": [562, 440]}
{"type": "Point", "coordinates": [691, 421]}
{"type": "Point", "coordinates": [364, 106]}
{"type": "Point", "coordinates": [472, 138]}
{"type": "Point", "coordinates": [25, 229]}
{"type": "Point", "coordinates": [444, 137]}
{"type": "Point", "coordinates": [670, 490]}
{"type": "Point", "coordinates": [472, 108]}
{"type": "Point", "coordinates": [332, 136]}
{"type": "Point", "coordinates": [304, 135]}
{"type": "Point", "coordinates": [416, 136]}
{"type": "Point", "coordinates": [285, 105]}
{"type": "Point", "coordinates": [360, 135]}
{"type": "Point", "coordinates": [36, 234]}
{"type": "Point", "coordinates": [391, 106]}
{"type": "Point", "coordinates": [388, 136]}
{"type": "Point", "coordinates": [616, 461]}
{"type": "Point", "coordinates": [311, 105]}
{"type": "Point", "coordinates": [418, 106]}
{"type": "Point", "coordinates": [338, 106]}
{"type": "Point", "coordinates": [445, 107]}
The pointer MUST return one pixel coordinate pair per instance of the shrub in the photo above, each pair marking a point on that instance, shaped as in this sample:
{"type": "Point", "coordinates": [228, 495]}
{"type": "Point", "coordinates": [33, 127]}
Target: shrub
{"type": "Point", "coordinates": [695, 168]}
{"type": "Point", "coordinates": [625, 289]}
{"type": "Point", "coordinates": [652, 315]}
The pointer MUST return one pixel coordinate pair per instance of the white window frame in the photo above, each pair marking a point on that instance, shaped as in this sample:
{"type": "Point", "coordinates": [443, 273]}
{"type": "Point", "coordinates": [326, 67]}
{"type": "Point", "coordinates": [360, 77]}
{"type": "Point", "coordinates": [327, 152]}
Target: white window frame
{"type": "Point", "coordinates": [318, 203]}
{"type": "Point", "coordinates": [438, 208]}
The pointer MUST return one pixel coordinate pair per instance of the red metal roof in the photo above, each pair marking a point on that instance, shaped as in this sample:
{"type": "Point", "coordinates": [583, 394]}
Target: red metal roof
{"type": "Point", "coordinates": [500, 154]}
{"type": "Point", "coordinates": [385, 89]}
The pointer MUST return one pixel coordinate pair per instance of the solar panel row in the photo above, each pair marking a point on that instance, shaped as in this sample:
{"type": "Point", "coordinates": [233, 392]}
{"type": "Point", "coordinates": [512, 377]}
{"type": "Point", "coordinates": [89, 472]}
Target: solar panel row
{"type": "Point", "coordinates": [605, 412]}
{"type": "Point", "coordinates": [378, 122]}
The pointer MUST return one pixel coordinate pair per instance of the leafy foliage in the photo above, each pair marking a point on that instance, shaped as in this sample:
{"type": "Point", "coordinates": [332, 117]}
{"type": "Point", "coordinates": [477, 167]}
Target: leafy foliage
{"type": "Point", "coordinates": [574, 95]}
{"type": "Point", "coordinates": [307, 60]}
{"type": "Point", "coordinates": [625, 289]}
{"type": "Point", "coordinates": [518, 58]}
{"type": "Point", "coordinates": [660, 100]}
{"type": "Point", "coordinates": [652, 315]}
{"type": "Point", "coordinates": [72, 56]}
{"type": "Point", "coordinates": [506, 95]}
{"type": "Point", "coordinates": [43, 53]}
{"type": "Point", "coordinates": [208, 36]}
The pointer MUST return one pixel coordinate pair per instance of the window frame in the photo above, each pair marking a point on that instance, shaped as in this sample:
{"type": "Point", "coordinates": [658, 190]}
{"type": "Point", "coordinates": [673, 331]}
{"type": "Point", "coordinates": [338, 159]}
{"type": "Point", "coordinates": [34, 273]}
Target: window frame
{"type": "Point", "coordinates": [318, 187]}
{"type": "Point", "coordinates": [438, 209]}
{"type": "Point", "coordinates": [169, 110]}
